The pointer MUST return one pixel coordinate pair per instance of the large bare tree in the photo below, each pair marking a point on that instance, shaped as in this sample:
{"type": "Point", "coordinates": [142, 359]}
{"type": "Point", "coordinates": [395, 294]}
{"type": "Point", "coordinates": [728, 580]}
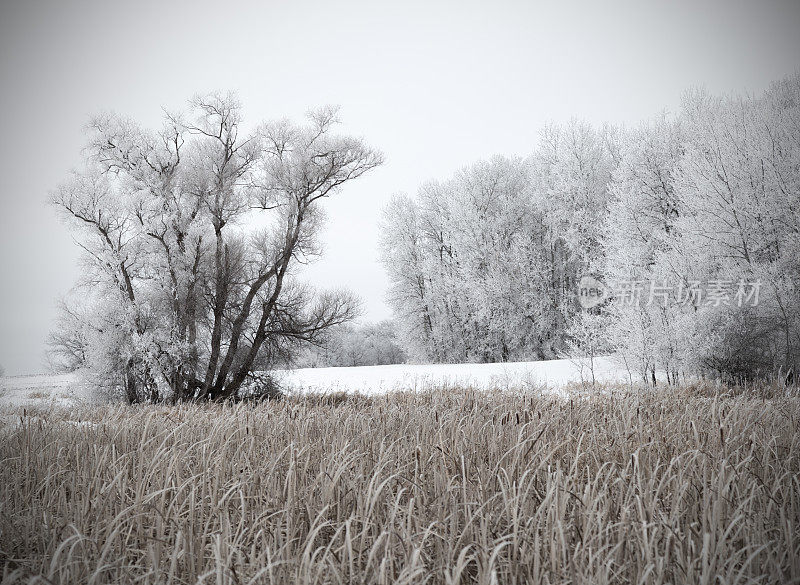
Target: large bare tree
{"type": "Point", "coordinates": [193, 232]}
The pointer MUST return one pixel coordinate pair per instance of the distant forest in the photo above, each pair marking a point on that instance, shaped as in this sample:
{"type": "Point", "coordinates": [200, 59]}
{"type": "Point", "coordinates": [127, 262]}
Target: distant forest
{"type": "Point", "coordinates": [690, 221]}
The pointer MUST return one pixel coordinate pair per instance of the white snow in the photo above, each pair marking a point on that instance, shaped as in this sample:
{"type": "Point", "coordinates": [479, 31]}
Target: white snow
{"type": "Point", "coordinates": [552, 375]}
{"type": "Point", "coordinates": [65, 389]}
{"type": "Point", "coordinates": [544, 375]}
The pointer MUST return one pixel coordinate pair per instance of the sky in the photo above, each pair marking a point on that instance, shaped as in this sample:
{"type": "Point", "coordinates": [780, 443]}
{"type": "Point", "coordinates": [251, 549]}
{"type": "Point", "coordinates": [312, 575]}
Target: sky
{"type": "Point", "coordinates": [434, 85]}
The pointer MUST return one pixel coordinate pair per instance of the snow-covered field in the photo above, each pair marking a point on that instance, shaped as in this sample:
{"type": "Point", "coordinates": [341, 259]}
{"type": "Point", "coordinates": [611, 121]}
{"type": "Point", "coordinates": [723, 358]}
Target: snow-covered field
{"type": "Point", "coordinates": [552, 375]}
{"type": "Point", "coordinates": [41, 388]}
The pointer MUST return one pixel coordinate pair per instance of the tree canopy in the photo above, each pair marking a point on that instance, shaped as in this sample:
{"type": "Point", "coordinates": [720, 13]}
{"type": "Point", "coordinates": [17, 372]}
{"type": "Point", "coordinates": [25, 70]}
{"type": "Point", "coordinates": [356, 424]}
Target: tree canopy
{"type": "Point", "coordinates": [192, 232]}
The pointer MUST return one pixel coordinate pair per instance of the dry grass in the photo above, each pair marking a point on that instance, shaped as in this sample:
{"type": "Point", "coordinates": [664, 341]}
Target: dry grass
{"type": "Point", "coordinates": [439, 488]}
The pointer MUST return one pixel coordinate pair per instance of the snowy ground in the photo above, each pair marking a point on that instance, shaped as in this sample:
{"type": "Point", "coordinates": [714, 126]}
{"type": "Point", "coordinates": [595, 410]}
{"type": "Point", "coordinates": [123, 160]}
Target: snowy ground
{"type": "Point", "coordinates": [553, 375]}
{"type": "Point", "coordinates": [43, 388]}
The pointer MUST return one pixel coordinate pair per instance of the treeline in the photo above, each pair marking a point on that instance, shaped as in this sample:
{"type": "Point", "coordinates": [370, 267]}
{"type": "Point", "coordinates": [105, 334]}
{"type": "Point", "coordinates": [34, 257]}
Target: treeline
{"type": "Point", "coordinates": [482, 266]}
{"type": "Point", "coordinates": [348, 345]}
{"type": "Point", "coordinates": [691, 222]}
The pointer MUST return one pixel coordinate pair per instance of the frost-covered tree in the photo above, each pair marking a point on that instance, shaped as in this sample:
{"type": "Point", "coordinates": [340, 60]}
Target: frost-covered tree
{"type": "Point", "coordinates": [369, 344]}
{"type": "Point", "coordinates": [458, 258]}
{"type": "Point", "coordinates": [68, 343]}
{"type": "Point", "coordinates": [483, 266]}
{"type": "Point", "coordinates": [639, 230]}
{"type": "Point", "coordinates": [706, 204]}
{"type": "Point", "coordinates": [739, 181]}
{"type": "Point", "coordinates": [198, 295]}
{"type": "Point", "coordinates": [586, 341]}
{"type": "Point", "coordinates": [572, 167]}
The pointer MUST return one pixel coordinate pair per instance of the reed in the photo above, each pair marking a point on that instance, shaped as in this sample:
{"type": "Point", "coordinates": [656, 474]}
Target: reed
{"type": "Point", "coordinates": [439, 487]}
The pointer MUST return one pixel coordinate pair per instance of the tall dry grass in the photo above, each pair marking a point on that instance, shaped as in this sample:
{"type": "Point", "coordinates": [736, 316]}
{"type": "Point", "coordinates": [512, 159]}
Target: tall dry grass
{"type": "Point", "coordinates": [458, 487]}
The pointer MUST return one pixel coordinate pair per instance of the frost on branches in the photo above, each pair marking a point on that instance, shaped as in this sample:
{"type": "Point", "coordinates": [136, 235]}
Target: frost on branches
{"type": "Point", "coordinates": [484, 266]}
{"type": "Point", "coordinates": [711, 196]}
{"type": "Point", "coordinates": [187, 299]}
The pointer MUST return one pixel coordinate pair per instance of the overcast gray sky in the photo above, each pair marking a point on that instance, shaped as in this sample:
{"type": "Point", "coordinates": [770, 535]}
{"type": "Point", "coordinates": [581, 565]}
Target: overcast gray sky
{"type": "Point", "coordinates": [435, 85]}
